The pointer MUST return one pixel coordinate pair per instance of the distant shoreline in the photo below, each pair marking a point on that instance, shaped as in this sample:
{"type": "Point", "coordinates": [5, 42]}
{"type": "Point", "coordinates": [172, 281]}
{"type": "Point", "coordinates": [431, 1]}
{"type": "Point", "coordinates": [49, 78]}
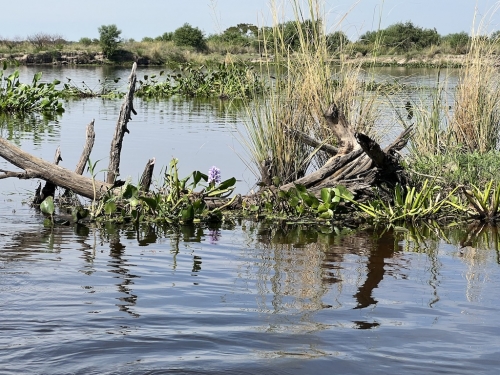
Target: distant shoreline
{"type": "Point", "coordinates": [91, 58]}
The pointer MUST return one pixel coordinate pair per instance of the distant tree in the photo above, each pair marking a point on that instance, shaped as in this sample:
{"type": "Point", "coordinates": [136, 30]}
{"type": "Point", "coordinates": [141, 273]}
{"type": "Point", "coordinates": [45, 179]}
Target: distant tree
{"type": "Point", "coordinates": [188, 35]}
{"type": "Point", "coordinates": [243, 34]}
{"type": "Point", "coordinates": [41, 40]}
{"type": "Point", "coordinates": [406, 36]}
{"type": "Point", "coordinates": [165, 37]}
{"type": "Point", "coordinates": [336, 41]}
{"type": "Point", "coordinates": [147, 39]}
{"type": "Point", "coordinates": [85, 41]}
{"type": "Point", "coordinates": [459, 42]}
{"type": "Point", "coordinates": [109, 39]}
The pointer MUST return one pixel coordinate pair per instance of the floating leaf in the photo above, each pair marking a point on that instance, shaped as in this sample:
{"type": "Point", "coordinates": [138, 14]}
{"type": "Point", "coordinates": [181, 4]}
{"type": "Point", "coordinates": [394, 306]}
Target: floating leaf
{"type": "Point", "coordinates": [110, 207]}
{"type": "Point", "coordinates": [47, 206]}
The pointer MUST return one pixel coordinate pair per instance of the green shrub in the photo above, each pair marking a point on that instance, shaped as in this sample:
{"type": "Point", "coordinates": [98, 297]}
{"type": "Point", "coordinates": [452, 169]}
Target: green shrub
{"type": "Point", "coordinates": [85, 41]}
{"type": "Point", "coordinates": [109, 39]}
{"type": "Point", "coordinates": [190, 36]}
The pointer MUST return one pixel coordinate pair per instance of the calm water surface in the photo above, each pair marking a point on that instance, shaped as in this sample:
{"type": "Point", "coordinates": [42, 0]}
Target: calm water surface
{"type": "Point", "coordinates": [239, 299]}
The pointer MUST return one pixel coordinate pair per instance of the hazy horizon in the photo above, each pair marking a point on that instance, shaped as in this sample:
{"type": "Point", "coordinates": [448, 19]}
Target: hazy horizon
{"type": "Point", "coordinates": [74, 20]}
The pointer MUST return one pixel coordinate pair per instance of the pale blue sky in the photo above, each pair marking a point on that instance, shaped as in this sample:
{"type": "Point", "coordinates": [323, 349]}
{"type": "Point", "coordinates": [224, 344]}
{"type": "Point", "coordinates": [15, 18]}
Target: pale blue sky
{"type": "Point", "coordinates": [139, 18]}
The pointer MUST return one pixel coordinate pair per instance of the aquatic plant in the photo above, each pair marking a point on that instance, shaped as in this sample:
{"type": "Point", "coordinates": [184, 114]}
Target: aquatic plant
{"type": "Point", "coordinates": [227, 80]}
{"type": "Point", "coordinates": [214, 176]}
{"type": "Point", "coordinates": [17, 97]}
{"type": "Point", "coordinates": [475, 124]}
{"type": "Point", "coordinates": [299, 203]}
{"type": "Point", "coordinates": [175, 201]}
{"type": "Point", "coordinates": [484, 203]}
{"type": "Point", "coordinates": [411, 204]}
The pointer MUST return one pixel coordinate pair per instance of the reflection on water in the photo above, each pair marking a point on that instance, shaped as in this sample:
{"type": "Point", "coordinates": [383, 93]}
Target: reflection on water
{"type": "Point", "coordinates": [251, 297]}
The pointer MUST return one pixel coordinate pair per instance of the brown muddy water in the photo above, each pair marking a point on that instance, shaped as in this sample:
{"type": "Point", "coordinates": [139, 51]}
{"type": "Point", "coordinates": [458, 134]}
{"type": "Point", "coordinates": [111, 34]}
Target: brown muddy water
{"type": "Point", "coordinates": [241, 299]}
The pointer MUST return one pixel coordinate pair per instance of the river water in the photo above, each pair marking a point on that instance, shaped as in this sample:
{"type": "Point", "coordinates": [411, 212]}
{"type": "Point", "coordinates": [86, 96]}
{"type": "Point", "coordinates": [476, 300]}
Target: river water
{"type": "Point", "coordinates": [240, 299]}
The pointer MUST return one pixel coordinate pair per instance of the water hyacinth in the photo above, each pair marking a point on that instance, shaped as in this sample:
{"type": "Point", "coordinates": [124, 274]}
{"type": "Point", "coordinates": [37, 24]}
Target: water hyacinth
{"type": "Point", "coordinates": [214, 175]}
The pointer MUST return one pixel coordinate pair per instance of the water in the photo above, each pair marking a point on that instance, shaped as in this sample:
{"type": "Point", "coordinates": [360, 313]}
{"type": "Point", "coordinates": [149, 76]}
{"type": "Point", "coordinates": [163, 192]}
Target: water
{"type": "Point", "coordinates": [239, 299]}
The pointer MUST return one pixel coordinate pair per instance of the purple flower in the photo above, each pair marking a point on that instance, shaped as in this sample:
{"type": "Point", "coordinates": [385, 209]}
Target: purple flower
{"type": "Point", "coordinates": [214, 175]}
{"type": "Point", "coordinates": [214, 235]}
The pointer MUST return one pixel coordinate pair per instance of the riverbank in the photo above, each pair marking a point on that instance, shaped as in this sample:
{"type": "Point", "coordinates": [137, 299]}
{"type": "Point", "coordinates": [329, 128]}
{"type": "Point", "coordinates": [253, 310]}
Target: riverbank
{"type": "Point", "coordinates": [125, 58]}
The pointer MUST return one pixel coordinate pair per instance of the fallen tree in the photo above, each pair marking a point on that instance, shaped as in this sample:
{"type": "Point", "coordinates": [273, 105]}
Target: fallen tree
{"type": "Point", "coordinates": [53, 174]}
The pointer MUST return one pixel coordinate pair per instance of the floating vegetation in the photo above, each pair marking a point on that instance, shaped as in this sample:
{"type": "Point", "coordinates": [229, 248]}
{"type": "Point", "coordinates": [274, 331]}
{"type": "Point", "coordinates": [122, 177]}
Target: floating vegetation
{"type": "Point", "coordinates": [226, 81]}
{"type": "Point", "coordinates": [17, 97]}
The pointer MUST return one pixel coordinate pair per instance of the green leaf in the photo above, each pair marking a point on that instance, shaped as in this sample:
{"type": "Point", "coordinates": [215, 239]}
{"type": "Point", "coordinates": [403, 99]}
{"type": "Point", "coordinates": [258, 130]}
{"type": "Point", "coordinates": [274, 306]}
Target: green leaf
{"type": "Point", "coordinates": [187, 214]}
{"type": "Point", "coordinates": [47, 206]}
{"type": "Point", "coordinates": [197, 177]}
{"type": "Point", "coordinates": [227, 184]}
{"type": "Point", "coordinates": [326, 195]}
{"type": "Point", "coordinates": [341, 191]}
{"type": "Point", "coordinates": [151, 202]}
{"type": "Point", "coordinates": [110, 207]}
{"type": "Point", "coordinates": [130, 191]}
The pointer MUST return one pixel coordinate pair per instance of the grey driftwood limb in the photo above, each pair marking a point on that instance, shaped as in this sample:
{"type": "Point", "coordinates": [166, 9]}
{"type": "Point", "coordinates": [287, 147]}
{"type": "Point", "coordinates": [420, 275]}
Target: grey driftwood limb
{"type": "Point", "coordinates": [35, 167]}
{"type": "Point", "coordinates": [121, 128]}
{"type": "Point", "coordinates": [87, 148]}
{"type": "Point", "coordinates": [360, 163]}
{"type": "Point", "coordinates": [147, 175]}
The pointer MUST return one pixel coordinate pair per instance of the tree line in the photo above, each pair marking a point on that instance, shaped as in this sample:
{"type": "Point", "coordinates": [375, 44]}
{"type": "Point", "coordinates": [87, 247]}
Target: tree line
{"type": "Point", "coordinates": [398, 38]}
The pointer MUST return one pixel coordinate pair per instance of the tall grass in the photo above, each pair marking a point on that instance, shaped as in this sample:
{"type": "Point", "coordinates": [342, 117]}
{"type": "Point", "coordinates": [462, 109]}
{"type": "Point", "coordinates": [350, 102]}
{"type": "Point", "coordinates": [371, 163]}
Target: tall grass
{"type": "Point", "coordinates": [475, 124]}
{"type": "Point", "coordinates": [304, 82]}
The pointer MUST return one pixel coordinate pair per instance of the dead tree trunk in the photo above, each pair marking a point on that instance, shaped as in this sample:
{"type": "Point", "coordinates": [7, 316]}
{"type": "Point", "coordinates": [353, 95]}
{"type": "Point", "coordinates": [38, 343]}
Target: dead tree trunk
{"type": "Point", "coordinates": [359, 164]}
{"type": "Point", "coordinates": [121, 128]}
{"type": "Point", "coordinates": [34, 167]}
{"type": "Point", "coordinates": [87, 149]}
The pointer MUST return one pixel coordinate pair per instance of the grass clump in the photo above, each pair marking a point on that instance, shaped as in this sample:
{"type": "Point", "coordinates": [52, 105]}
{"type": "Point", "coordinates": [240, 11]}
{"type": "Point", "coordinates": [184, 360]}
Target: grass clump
{"type": "Point", "coordinates": [304, 83]}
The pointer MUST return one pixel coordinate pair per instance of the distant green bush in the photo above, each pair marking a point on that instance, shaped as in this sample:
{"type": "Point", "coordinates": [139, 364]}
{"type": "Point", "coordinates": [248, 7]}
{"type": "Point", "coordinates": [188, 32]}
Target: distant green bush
{"type": "Point", "coordinates": [109, 39]}
{"type": "Point", "coordinates": [85, 41]}
{"type": "Point", "coordinates": [190, 36]}
{"type": "Point", "coordinates": [458, 42]}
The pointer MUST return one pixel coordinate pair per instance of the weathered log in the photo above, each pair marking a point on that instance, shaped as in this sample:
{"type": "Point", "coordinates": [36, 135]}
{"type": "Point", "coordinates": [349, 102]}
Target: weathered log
{"type": "Point", "coordinates": [49, 189]}
{"type": "Point", "coordinates": [341, 128]}
{"type": "Point", "coordinates": [121, 128]}
{"type": "Point", "coordinates": [360, 162]}
{"type": "Point", "coordinates": [332, 166]}
{"type": "Point", "coordinates": [38, 168]}
{"type": "Point", "coordinates": [147, 175]}
{"type": "Point", "coordinates": [310, 141]}
{"type": "Point", "coordinates": [87, 149]}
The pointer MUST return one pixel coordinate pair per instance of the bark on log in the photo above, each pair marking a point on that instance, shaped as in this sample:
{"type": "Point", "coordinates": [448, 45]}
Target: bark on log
{"type": "Point", "coordinates": [360, 163]}
{"type": "Point", "coordinates": [147, 175]}
{"type": "Point", "coordinates": [329, 149]}
{"type": "Point", "coordinates": [38, 168]}
{"type": "Point", "coordinates": [121, 128]}
{"type": "Point", "coordinates": [87, 149]}
{"type": "Point", "coordinates": [49, 189]}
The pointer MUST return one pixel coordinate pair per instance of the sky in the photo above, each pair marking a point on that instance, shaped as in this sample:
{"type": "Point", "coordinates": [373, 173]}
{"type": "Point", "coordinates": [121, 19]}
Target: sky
{"type": "Point", "coordinates": [74, 19]}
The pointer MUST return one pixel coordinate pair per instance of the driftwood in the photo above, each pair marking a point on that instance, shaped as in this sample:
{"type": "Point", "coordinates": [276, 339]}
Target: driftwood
{"type": "Point", "coordinates": [121, 128]}
{"type": "Point", "coordinates": [359, 163]}
{"type": "Point", "coordinates": [54, 175]}
{"type": "Point", "coordinates": [87, 149]}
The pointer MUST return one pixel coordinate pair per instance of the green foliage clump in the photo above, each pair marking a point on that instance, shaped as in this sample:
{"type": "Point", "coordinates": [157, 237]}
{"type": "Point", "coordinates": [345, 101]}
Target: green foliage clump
{"type": "Point", "coordinates": [458, 42]}
{"type": "Point", "coordinates": [336, 41]}
{"type": "Point", "coordinates": [299, 203]}
{"type": "Point", "coordinates": [17, 97]}
{"type": "Point", "coordinates": [175, 202]}
{"type": "Point", "coordinates": [85, 41]}
{"type": "Point", "coordinates": [109, 39]}
{"type": "Point", "coordinates": [226, 81]}
{"type": "Point", "coordinates": [190, 36]}
{"type": "Point", "coordinates": [402, 37]}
